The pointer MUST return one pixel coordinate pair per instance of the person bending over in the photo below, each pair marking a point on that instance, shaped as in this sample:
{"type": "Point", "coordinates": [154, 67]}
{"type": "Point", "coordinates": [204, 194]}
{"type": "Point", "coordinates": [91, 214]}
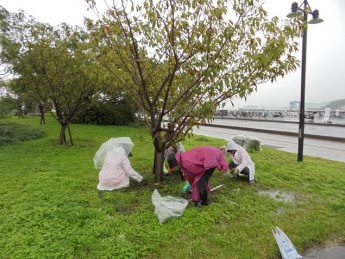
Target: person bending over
{"type": "Point", "coordinates": [197, 166]}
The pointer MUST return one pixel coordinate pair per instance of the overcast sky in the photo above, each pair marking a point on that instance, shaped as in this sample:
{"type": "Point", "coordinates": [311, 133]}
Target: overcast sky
{"type": "Point", "coordinates": [325, 71]}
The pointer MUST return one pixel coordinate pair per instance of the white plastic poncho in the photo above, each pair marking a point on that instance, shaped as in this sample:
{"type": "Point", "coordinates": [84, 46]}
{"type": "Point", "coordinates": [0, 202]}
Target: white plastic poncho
{"type": "Point", "coordinates": [116, 171]}
{"type": "Point", "coordinates": [124, 142]}
{"type": "Point", "coordinates": [241, 158]}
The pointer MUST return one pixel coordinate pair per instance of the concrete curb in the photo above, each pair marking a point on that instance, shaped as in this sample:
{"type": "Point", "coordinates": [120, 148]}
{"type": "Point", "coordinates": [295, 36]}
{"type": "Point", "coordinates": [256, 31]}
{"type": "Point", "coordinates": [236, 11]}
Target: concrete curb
{"type": "Point", "coordinates": [278, 132]}
{"type": "Point", "coordinates": [282, 121]}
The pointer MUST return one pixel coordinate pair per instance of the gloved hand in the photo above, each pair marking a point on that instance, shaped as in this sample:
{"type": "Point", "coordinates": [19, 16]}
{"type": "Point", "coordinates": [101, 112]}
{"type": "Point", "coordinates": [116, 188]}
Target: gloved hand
{"type": "Point", "coordinates": [234, 173]}
{"type": "Point", "coordinates": [186, 187]}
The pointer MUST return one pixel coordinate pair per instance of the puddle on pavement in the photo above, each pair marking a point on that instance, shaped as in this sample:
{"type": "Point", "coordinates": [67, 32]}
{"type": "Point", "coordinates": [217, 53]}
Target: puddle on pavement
{"type": "Point", "coordinates": [278, 195]}
{"type": "Point", "coordinates": [330, 252]}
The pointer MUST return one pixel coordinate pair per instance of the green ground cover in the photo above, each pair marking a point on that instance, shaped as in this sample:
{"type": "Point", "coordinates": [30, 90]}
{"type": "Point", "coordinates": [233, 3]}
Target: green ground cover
{"type": "Point", "coordinates": [49, 205]}
{"type": "Point", "coordinates": [12, 132]}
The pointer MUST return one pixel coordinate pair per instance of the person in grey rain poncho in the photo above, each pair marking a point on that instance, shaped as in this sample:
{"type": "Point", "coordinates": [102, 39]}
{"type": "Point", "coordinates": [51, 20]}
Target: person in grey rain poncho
{"type": "Point", "coordinates": [241, 162]}
{"type": "Point", "coordinates": [116, 171]}
{"type": "Point", "coordinates": [178, 147]}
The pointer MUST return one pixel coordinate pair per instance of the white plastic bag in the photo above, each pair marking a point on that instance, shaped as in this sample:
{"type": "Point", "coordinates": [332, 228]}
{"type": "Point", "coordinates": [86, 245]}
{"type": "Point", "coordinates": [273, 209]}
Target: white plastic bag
{"type": "Point", "coordinates": [286, 248]}
{"type": "Point", "coordinates": [168, 206]}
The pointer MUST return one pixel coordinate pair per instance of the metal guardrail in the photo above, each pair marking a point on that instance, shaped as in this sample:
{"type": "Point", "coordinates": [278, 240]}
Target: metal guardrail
{"type": "Point", "coordinates": [282, 121]}
{"type": "Point", "coordinates": [278, 132]}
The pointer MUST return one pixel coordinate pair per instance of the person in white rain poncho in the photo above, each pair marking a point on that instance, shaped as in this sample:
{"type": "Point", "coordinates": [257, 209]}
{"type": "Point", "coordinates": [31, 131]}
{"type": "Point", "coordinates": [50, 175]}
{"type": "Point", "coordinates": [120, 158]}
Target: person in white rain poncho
{"type": "Point", "coordinates": [241, 162]}
{"type": "Point", "coordinates": [116, 171]}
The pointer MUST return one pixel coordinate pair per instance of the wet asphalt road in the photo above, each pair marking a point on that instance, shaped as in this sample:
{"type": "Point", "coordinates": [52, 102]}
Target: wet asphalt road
{"type": "Point", "coordinates": [331, 150]}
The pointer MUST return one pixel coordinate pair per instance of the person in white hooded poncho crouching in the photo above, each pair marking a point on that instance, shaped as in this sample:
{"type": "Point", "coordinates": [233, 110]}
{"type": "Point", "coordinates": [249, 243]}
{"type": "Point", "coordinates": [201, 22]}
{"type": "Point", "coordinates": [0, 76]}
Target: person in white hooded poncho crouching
{"type": "Point", "coordinates": [241, 162]}
{"type": "Point", "coordinates": [116, 171]}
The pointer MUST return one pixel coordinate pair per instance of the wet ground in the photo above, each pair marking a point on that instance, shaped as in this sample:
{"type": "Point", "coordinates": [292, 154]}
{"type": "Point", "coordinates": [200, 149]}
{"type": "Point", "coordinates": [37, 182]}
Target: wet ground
{"type": "Point", "coordinates": [278, 195]}
{"type": "Point", "coordinates": [312, 147]}
{"type": "Point", "coordinates": [330, 252]}
{"type": "Point", "coordinates": [323, 130]}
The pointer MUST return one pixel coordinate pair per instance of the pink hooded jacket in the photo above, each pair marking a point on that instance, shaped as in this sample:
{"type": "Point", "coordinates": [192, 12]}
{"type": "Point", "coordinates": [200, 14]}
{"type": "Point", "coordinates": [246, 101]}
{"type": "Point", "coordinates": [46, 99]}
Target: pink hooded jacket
{"type": "Point", "coordinates": [195, 162]}
{"type": "Point", "coordinates": [116, 171]}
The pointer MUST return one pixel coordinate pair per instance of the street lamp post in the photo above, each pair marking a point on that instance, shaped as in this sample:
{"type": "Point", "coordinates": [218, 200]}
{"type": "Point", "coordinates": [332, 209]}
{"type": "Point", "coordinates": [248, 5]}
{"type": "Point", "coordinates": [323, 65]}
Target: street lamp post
{"type": "Point", "coordinates": [297, 11]}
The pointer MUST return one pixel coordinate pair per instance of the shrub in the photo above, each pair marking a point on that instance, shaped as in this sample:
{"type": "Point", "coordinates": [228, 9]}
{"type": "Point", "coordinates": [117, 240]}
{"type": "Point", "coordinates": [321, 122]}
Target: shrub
{"type": "Point", "coordinates": [107, 114]}
{"type": "Point", "coordinates": [249, 143]}
{"type": "Point", "coordinates": [12, 132]}
{"type": "Point", "coordinates": [7, 106]}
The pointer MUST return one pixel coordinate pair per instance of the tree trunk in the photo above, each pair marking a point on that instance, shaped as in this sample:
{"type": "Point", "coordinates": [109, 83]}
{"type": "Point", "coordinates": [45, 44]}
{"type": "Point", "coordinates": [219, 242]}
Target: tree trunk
{"type": "Point", "coordinates": [70, 135]}
{"type": "Point", "coordinates": [154, 163]}
{"type": "Point", "coordinates": [43, 119]}
{"type": "Point", "coordinates": [158, 165]}
{"type": "Point", "coordinates": [20, 111]}
{"type": "Point", "coordinates": [62, 138]}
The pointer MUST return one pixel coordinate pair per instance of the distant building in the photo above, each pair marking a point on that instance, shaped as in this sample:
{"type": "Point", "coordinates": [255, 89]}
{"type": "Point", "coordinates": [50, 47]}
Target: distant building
{"type": "Point", "coordinates": [294, 105]}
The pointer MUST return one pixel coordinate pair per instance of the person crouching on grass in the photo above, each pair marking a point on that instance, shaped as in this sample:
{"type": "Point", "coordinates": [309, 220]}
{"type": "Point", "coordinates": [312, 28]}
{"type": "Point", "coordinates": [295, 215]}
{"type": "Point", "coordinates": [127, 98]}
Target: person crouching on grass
{"type": "Point", "coordinates": [197, 166]}
{"type": "Point", "coordinates": [116, 171]}
{"type": "Point", "coordinates": [241, 163]}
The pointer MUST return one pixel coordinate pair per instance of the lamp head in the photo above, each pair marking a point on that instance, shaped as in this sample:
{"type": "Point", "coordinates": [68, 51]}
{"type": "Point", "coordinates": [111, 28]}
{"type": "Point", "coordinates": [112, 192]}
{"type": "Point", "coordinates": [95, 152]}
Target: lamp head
{"type": "Point", "coordinates": [316, 19]}
{"type": "Point", "coordinates": [294, 11]}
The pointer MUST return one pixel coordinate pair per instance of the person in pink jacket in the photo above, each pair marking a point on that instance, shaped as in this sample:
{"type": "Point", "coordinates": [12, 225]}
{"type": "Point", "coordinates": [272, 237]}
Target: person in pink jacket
{"type": "Point", "coordinates": [197, 166]}
{"type": "Point", "coordinates": [116, 171]}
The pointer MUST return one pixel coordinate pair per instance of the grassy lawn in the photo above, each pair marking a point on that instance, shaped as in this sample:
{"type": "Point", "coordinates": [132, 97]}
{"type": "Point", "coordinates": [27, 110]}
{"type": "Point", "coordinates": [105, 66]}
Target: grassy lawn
{"type": "Point", "coordinates": [49, 205]}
